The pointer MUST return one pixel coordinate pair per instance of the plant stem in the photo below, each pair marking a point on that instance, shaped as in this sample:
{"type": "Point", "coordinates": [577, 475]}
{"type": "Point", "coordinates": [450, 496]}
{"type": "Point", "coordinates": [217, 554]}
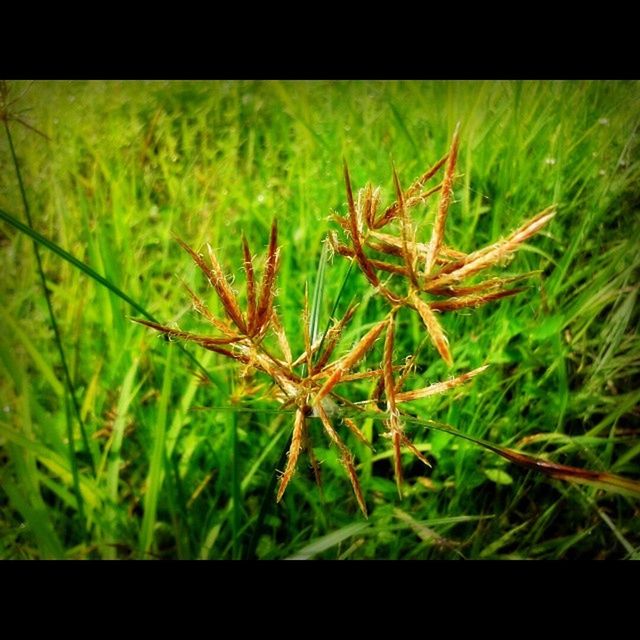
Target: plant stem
{"type": "Point", "coordinates": [65, 255]}
{"type": "Point", "coordinates": [58, 340]}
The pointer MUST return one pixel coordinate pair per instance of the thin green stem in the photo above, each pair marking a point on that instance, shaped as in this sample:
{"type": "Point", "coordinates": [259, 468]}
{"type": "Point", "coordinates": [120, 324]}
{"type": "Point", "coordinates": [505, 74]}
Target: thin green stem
{"type": "Point", "coordinates": [267, 500]}
{"type": "Point", "coordinates": [235, 479]}
{"type": "Point", "coordinates": [334, 308]}
{"type": "Point", "coordinates": [85, 268]}
{"type": "Point", "coordinates": [58, 339]}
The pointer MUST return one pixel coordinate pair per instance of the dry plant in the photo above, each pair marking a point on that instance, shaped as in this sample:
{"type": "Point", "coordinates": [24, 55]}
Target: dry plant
{"type": "Point", "coordinates": [307, 382]}
{"type": "Point", "coordinates": [429, 278]}
{"type": "Point", "coordinates": [432, 268]}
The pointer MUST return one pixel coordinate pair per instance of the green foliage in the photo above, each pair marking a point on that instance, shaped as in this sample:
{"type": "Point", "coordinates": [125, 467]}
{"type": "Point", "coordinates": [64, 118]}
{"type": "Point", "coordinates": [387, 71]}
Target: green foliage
{"type": "Point", "coordinates": [182, 465]}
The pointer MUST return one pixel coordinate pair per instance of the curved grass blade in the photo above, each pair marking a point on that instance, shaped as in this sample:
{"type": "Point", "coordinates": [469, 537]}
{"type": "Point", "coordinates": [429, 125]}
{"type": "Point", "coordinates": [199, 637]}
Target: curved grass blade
{"type": "Point", "coordinates": [330, 540]}
{"type": "Point", "coordinates": [94, 275]}
{"type": "Point", "coordinates": [598, 479]}
{"type": "Point", "coordinates": [58, 340]}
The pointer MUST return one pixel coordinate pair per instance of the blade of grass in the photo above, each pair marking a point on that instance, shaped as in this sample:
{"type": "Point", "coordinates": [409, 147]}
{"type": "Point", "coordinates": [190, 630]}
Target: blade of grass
{"type": "Point", "coordinates": [330, 540]}
{"type": "Point", "coordinates": [127, 394]}
{"type": "Point", "coordinates": [267, 499]}
{"type": "Point", "coordinates": [94, 275]}
{"type": "Point", "coordinates": [49, 544]}
{"type": "Point", "coordinates": [334, 308]}
{"type": "Point", "coordinates": [13, 328]}
{"type": "Point", "coordinates": [56, 463]}
{"type": "Point", "coordinates": [318, 295]}
{"type": "Point", "coordinates": [54, 326]}
{"type": "Point", "coordinates": [156, 469]}
{"type": "Point", "coordinates": [235, 477]}
{"type": "Point", "coordinates": [601, 480]}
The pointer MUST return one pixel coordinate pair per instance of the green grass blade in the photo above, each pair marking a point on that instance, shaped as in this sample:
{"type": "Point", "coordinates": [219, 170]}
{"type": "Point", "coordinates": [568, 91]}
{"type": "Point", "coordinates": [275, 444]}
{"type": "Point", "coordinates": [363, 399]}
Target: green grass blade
{"type": "Point", "coordinates": [232, 425]}
{"type": "Point", "coordinates": [127, 394]}
{"type": "Point", "coordinates": [330, 540]}
{"type": "Point", "coordinates": [268, 498]}
{"type": "Point", "coordinates": [601, 480]}
{"type": "Point", "coordinates": [86, 269]}
{"type": "Point", "coordinates": [156, 468]}
{"type": "Point", "coordinates": [37, 520]}
{"type": "Point", "coordinates": [57, 464]}
{"type": "Point", "coordinates": [53, 321]}
{"type": "Point", "coordinates": [65, 255]}
{"type": "Point", "coordinates": [318, 294]}
{"type": "Point", "coordinates": [39, 361]}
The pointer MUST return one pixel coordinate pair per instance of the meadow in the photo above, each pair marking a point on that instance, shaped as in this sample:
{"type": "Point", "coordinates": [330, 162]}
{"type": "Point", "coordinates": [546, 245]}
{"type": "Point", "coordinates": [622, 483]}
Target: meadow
{"type": "Point", "coordinates": [147, 448]}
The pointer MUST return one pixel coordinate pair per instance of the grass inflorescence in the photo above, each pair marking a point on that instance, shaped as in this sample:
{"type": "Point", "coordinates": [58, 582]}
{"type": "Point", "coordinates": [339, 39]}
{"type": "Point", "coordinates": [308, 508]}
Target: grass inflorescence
{"type": "Point", "coordinates": [400, 351]}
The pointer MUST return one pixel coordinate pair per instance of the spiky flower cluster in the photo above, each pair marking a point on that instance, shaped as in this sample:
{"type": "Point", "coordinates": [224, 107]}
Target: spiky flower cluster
{"type": "Point", "coordinates": [412, 270]}
{"type": "Point", "coordinates": [434, 268]}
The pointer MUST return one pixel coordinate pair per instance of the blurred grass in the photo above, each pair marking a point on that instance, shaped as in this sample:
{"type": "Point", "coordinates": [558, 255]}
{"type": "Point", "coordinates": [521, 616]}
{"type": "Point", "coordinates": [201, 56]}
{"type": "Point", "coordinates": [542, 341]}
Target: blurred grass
{"type": "Point", "coordinates": [130, 163]}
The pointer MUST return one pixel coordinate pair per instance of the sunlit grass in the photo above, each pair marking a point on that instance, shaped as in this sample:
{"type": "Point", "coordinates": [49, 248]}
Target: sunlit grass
{"type": "Point", "coordinates": [130, 164]}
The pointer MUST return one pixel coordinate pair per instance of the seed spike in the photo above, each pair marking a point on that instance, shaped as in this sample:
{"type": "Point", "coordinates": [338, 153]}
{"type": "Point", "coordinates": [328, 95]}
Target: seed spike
{"type": "Point", "coordinates": [354, 231]}
{"type": "Point", "coordinates": [408, 241]}
{"type": "Point", "coordinates": [487, 257]}
{"type": "Point", "coordinates": [265, 302]}
{"type": "Point", "coordinates": [305, 330]}
{"type": "Point", "coordinates": [347, 458]}
{"type": "Point", "coordinates": [281, 336]}
{"type": "Point", "coordinates": [356, 354]}
{"type": "Point", "coordinates": [251, 285]}
{"type": "Point", "coordinates": [202, 309]}
{"type": "Point", "coordinates": [353, 427]}
{"type": "Point", "coordinates": [308, 446]}
{"type": "Point", "coordinates": [294, 453]}
{"type": "Point", "coordinates": [396, 437]}
{"type": "Point", "coordinates": [333, 337]}
{"type": "Point", "coordinates": [465, 302]}
{"type": "Point", "coordinates": [416, 452]}
{"type": "Point", "coordinates": [439, 387]}
{"type": "Point", "coordinates": [443, 206]}
{"type": "Point", "coordinates": [410, 195]}
{"type": "Point", "coordinates": [204, 341]}
{"type": "Point", "coordinates": [432, 324]}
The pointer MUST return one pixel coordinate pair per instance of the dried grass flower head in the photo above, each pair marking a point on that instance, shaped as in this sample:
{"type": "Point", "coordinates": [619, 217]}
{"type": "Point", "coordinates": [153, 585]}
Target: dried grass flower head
{"type": "Point", "coordinates": [429, 277]}
{"type": "Point", "coordinates": [311, 383]}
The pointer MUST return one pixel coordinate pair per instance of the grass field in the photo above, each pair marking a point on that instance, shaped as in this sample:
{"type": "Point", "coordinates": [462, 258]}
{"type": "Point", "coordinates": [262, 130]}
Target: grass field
{"type": "Point", "coordinates": [180, 464]}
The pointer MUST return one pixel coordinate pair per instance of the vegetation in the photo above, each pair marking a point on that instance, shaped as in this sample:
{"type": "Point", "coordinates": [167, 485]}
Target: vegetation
{"type": "Point", "coordinates": [115, 444]}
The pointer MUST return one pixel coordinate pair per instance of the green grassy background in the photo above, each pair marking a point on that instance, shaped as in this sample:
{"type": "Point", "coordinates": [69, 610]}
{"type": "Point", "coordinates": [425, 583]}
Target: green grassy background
{"type": "Point", "coordinates": [182, 466]}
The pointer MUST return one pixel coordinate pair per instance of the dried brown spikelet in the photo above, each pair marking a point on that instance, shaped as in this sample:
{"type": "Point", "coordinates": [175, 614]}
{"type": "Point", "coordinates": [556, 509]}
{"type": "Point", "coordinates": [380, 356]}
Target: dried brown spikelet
{"type": "Point", "coordinates": [346, 455]}
{"type": "Point", "coordinates": [281, 336]}
{"type": "Point", "coordinates": [351, 359]}
{"type": "Point", "coordinates": [466, 302]}
{"type": "Point", "coordinates": [391, 211]}
{"type": "Point", "coordinates": [443, 206]}
{"type": "Point", "coordinates": [409, 253]}
{"type": "Point", "coordinates": [354, 231]}
{"type": "Point", "coordinates": [436, 333]}
{"type": "Point", "coordinates": [393, 422]}
{"type": "Point", "coordinates": [263, 312]}
{"type": "Point", "coordinates": [487, 257]}
{"type": "Point", "coordinates": [294, 452]}
{"type": "Point", "coordinates": [203, 341]}
{"type": "Point", "coordinates": [333, 337]}
{"type": "Point", "coordinates": [219, 282]}
{"type": "Point", "coordinates": [439, 387]}
{"type": "Point", "coordinates": [351, 425]}
{"type": "Point", "coordinates": [202, 309]}
{"type": "Point", "coordinates": [251, 285]}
